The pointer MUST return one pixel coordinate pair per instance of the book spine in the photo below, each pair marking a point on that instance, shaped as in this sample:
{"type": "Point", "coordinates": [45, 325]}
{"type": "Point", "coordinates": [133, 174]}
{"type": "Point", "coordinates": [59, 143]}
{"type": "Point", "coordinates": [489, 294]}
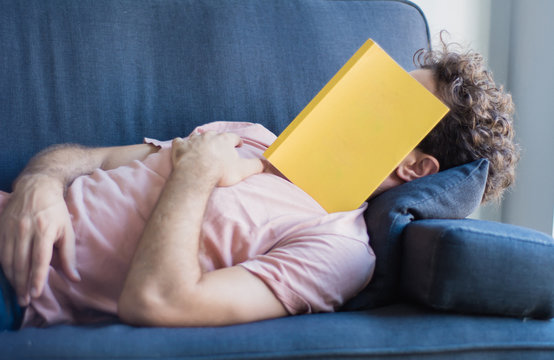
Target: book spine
{"type": "Point", "coordinates": [319, 97]}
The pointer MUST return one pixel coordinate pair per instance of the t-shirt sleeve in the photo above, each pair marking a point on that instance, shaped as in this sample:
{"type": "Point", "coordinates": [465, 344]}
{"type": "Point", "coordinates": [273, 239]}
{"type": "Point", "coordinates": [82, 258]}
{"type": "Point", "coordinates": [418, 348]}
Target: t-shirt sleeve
{"type": "Point", "coordinates": [166, 144]}
{"type": "Point", "coordinates": [257, 137]}
{"type": "Point", "coordinates": [312, 274]}
{"type": "Point", "coordinates": [160, 161]}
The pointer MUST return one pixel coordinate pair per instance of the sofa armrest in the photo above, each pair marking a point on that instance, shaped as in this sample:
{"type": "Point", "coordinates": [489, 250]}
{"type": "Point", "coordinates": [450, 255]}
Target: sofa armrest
{"type": "Point", "coordinates": [476, 266]}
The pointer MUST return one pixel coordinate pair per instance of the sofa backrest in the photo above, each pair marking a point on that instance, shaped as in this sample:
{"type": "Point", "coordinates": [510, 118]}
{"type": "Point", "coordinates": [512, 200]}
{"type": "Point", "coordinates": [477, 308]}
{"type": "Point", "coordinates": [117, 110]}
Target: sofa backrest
{"type": "Point", "coordinates": [105, 72]}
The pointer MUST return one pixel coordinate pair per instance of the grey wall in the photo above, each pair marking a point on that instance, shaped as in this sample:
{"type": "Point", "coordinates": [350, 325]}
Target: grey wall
{"type": "Point", "coordinates": [529, 70]}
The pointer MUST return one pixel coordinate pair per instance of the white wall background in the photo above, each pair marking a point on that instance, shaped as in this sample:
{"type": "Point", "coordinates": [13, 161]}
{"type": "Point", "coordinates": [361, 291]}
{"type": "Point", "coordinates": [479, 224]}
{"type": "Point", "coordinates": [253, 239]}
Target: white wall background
{"type": "Point", "coordinates": [516, 37]}
{"type": "Point", "coordinates": [531, 80]}
{"type": "Point", "coordinates": [467, 21]}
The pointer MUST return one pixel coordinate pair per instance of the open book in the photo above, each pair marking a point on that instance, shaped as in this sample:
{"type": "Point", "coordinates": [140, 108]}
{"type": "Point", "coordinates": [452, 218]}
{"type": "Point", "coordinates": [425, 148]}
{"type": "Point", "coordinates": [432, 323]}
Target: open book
{"type": "Point", "coordinates": [356, 130]}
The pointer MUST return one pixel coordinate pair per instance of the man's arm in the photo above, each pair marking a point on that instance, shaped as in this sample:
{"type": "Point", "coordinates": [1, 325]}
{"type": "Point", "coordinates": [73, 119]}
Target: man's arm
{"type": "Point", "coordinates": [36, 219]}
{"type": "Point", "coordinates": [165, 285]}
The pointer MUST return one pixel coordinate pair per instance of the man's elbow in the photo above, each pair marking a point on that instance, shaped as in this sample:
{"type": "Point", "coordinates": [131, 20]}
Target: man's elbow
{"type": "Point", "coordinates": [148, 306]}
{"type": "Point", "coordinates": [180, 307]}
{"type": "Point", "coordinates": [139, 309]}
{"type": "Point", "coordinates": [145, 307]}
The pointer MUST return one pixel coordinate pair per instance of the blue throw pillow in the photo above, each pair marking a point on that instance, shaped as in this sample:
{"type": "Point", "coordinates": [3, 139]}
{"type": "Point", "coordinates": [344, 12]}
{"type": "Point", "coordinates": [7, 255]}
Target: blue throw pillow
{"type": "Point", "coordinates": [451, 194]}
{"type": "Point", "coordinates": [475, 266]}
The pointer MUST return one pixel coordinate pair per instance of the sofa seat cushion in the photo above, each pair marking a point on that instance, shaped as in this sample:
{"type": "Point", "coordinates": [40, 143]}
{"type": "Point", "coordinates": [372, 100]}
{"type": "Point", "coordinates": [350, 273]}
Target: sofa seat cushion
{"type": "Point", "coordinates": [392, 332]}
{"type": "Point", "coordinates": [475, 266]}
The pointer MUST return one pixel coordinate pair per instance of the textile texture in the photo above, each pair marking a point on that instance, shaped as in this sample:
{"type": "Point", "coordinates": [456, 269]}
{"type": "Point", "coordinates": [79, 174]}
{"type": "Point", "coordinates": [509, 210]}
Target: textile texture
{"type": "Point", "coordinates": [449, 194]}
{"type": "Point", "coordinates": [103, 72]}
{"type": "Point", "coordinates": [11, 313]}
{"type": "Point", "coordinates": [480, 267]}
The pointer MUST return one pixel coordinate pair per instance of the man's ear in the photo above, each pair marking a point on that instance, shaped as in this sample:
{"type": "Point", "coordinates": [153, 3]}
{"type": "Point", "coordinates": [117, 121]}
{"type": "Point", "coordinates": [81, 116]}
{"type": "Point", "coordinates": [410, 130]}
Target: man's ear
{"type": "Point", "coordinates": [416, 165]}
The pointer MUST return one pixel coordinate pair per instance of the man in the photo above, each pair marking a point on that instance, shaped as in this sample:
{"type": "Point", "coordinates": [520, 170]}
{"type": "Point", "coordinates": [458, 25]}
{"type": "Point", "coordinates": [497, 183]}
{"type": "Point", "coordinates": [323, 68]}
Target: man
{"type": "Point", "coordinates": [282, 253]}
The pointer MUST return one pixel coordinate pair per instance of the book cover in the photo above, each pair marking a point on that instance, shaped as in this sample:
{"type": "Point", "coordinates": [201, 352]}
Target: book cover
{"type": "Point", "coordinates": [356, 130]}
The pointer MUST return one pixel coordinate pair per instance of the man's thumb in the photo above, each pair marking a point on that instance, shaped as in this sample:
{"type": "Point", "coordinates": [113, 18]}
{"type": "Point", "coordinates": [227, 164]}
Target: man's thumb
{"type": "Point", "coordinates": [251, 167]}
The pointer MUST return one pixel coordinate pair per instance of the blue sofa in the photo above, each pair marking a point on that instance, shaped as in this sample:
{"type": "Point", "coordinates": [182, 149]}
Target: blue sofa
{"type": "Point", "coordinates": [107, 72]}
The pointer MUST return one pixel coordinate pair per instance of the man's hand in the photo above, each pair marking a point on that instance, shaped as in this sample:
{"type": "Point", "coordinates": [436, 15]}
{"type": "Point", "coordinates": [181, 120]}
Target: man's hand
{"type": "Point", "coordinates": [35, 220]}
{"type": "Point", "coordinates": [213, 156]}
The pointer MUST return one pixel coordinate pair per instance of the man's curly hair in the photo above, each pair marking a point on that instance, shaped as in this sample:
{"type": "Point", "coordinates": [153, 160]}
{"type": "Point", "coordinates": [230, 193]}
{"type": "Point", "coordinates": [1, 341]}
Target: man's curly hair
{"type": "Point", "coordinates": [479, 124]}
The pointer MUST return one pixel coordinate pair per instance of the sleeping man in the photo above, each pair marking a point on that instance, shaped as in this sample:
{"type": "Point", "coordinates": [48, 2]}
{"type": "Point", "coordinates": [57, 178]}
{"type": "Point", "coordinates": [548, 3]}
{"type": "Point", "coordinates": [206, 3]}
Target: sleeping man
{"type": "Point", "coordinates": [201, 231]}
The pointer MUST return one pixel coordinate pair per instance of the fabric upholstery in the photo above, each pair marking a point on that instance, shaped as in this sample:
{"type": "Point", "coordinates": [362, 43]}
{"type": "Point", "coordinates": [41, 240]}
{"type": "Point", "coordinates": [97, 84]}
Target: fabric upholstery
{"type": "Point", "coordinates": [392, 332]}
{"type": "Point", "coordinates": [480, 267]}
{"type": "Point", "coordinates": [104, 72]}
{"type": "Point", "coordinates": [10, 312]}
{"type": "Point", "coordinates": [449, 194]}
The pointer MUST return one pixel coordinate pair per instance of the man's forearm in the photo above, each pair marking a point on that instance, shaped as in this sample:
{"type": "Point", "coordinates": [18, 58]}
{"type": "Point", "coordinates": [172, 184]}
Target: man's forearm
{"type": "Point", "coordinates": [64, 163]}
{"type": "Point", "coordinates": [61, 163]}
{"type": "Point", "coordinates": [165, 285]}
{"type": "Point", "coordinates": [165, 268]}
{"type": "Point", "coordinates": [36, 217]}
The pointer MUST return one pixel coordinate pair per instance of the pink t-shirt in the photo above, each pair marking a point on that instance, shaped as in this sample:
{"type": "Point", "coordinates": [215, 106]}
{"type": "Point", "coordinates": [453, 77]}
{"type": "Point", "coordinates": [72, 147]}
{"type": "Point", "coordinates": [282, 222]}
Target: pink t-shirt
{"type": "Point", "coordinates": [311, 260]}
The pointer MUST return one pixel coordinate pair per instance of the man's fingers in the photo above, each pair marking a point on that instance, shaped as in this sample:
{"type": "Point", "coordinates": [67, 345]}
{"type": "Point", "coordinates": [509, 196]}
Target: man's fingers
{"type": "Point", "coordinates": [42, 254]}
{"type": "Point", "coordinates": [251, 167]}
{"type": "Point", "coordinates": [177, 141]}
{"type": "Point", "coordinates": [233, 138]}
{"type": "Point", "coordinates": [67, 253]}
{"type": "Point", "coordinates": [7, 257]}
{"type": "Point", "coordinates": [240, 171]}
{"type": "Point", "coordinates": [21, 264]}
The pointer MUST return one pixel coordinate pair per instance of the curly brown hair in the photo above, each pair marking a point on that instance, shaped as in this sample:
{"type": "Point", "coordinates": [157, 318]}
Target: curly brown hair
{"type": "Point", "coordinates": [479, 123]}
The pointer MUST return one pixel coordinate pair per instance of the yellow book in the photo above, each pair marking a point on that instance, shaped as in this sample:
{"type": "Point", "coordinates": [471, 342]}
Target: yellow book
{"type": "Point", "coordinates": [356, 130]}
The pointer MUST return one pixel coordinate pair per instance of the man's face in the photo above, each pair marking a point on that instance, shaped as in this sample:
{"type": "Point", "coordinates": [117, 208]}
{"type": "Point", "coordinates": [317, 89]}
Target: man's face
{"type": "Point", "coordinates": [426, 78]}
